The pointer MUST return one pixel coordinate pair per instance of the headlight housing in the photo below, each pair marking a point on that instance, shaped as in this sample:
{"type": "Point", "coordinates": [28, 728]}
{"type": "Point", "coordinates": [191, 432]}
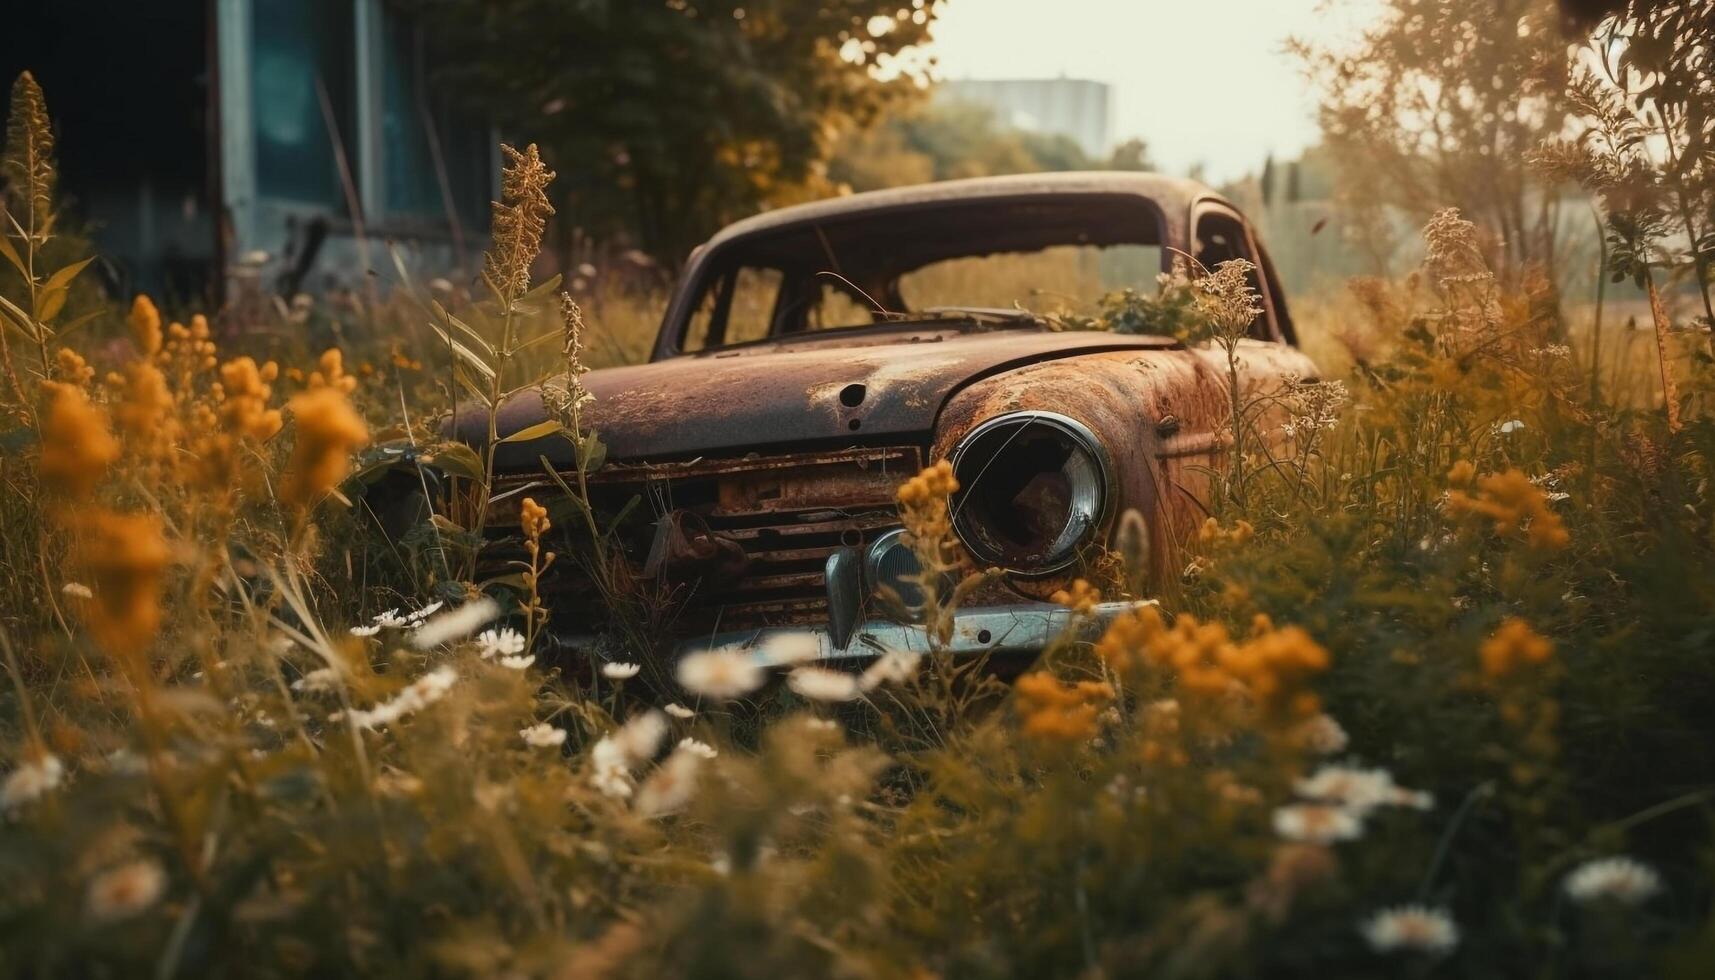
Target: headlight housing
{"type": "Point", "coordinates": [1033, 489]}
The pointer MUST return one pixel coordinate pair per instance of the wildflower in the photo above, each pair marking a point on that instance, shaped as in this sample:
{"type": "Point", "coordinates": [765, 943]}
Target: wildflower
{"type": "Point", "coordinates": [542, 735]}
{"type": "Point", "coordinates": [723, 674]}
{"type": "Point", "coordinates": [419, 694]}
{"type": "Point", "coordinates": [71, 368]}
{"type": "Point", "coordinates": [1051, 708]}
{"type": "Point", "coordinates": [425, 612]}
{"type": "Point", "coordinates": [923, 508]}
{"type": "Point", "coordinates": [1512, 646]}
{"type": "Point", "coordinates": [369, 630]}
{"type": "Point", "coordinates": [679, 711]}
{"type": "Point", "coordinates": [145, 323]}
{"type": "Point", "coordinates": [330, 373]}
{"type": "Point", "coordinates": [822, 684]}
{"type": "Point", "coordinates": [30, 781]}
{"type": "Point", "coordinates": [244, 410]}
{"type": "Point", "coordinates": [76, 443]}
{"type": "Point", "coordinates": [1514, 504]}
{"type": "Point", "coordinates": [1510, 426]}
{"type": "Point", "coordinates": [1412, 928]}
{"type": "Point", "coordinates": [504, 641]}
{"type": "Point", "coordinates": [620, 751]}
{"type": "Point", "coordinates": [146, 411]}
{"type": "Point", "coordinates": [517, 663]}
{"type": "Point", "coordinates": [620, 672]}
{"type": "Point", "coordinates": [1323, 735]}
{"type": "Point", "coordinates": [533, 518]}
{"type": "Point", "coordinates": [670, 788]}
{"type": "Point", "coordinates": [122, 892]}
{"type": "Point", "coordinates": [125, 557]}
{"type": "Point", "coordinates": [892, 667]}
{"type": "Point", "coordinates": [1359, 789]}
{"type": "Point", "coordinates": [457, 624]}
{"type": "Point", "coordinates": [77, 590]}
{"type": "Point", "coordinates": [1619, 878]}
{"type": "Point", "coordinates": [1315, 823]}
{"type": "Point", "coordinates": [390, 619]}
{"type": "Point", "coordinates": [783, 649]}
{"type": "Point", "coordinates": [328, 431]}
{"type": "Point", "coordinates": [518, 221]}
{"type": "Point", "coordinates": [320, 679]}
{"type": "Point", "coordinates": [1082, 597]}
{"type": "Point", "coordinates": [696, 747]}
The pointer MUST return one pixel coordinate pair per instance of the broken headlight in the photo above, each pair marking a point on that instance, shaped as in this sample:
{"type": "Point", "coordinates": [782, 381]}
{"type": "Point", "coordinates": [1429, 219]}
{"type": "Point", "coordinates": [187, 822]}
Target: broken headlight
{"type": "Point", "coordinates": [1033, 488]}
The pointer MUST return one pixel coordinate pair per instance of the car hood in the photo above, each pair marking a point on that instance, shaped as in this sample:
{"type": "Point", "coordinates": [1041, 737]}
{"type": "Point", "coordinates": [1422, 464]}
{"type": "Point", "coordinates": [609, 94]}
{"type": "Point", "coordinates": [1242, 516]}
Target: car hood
{"type": "Point", "coordinates": [787, 393]}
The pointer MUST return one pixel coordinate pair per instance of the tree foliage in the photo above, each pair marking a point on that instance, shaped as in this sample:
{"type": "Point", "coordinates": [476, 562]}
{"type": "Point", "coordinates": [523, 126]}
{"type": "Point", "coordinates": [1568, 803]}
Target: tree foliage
{"type": "Point", "coordinates": [669, 118]}
{"type": "Point", "coordinates": [1436, 104]}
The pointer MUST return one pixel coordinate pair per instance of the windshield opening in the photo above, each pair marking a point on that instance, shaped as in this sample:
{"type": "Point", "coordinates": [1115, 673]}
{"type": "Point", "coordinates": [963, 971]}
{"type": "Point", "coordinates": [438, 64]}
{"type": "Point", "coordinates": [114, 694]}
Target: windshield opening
{"type": "Point", "coordinates": [1041, 255]}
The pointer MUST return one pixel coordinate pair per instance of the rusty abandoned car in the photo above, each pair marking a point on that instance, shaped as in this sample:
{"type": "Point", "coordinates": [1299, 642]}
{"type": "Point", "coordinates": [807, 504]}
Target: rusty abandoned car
{"type": "Point", "coordinates": [814, 357]}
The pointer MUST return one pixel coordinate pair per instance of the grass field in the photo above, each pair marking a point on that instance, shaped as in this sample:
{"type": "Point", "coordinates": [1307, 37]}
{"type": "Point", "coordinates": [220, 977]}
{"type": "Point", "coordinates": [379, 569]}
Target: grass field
{"type": "Point", "coordinates": [1430, 695]}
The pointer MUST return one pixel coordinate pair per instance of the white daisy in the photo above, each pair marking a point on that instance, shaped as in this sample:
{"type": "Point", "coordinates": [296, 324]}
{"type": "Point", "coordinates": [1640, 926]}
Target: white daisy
{"type": "Point", "coordinates": [320, 679]}
{"type": "Point", "coordinates": [455, 624]}
{"type": "Point", "coordinates": [542, 735]}
{"type": "Point", "coordinates": [696, 747]}
{"type": "Point", "coordinates": [723, 674]}
{"type": "Point", "coordinates": [620, 672]}
{"type": "Point", "coordinates": [369, 630]}
{"type": "Point", "coordinates": [1323, 735]}
{"type": "Point", "coordinates": [1510, 426]}
{"type": "Point", "coordinates": [77, 590]}
{"type": "Point", "coordinates": [122, 892]}
{"type": "Point", "coordinates": [822, 684]}
{"type": "Point", "coordinates": [1414, 928]}
{"type": "Point", "coordinates": [30, 781]}
{"type": "Point", "coordinates": [425, 612]}
{"type": "Point", "coordinates": [517, 663]}
{"type": "Point", "coordinates": [670, 787]}
{"type": "Point", "coordinates": [892, 667]}
{"type": "Point", "coordinates": [1618, 878]}
{"type": "Point", "coordinates": [416, 696]}
{"type": "Point", "coordinates": [621, 750]}
{"type": "Point", "coordinates": [1361, 789]}
{"type": "Point", "coordinates": [1314, 823]}
{"type": "Point", "coordinates": [390, 619]}
{"type": "Point", "coordinates": [502, 642]}
{"type": "Point", "coordinates": [679, 711]}
{"type": "Point", "coordinates": [790, 648]}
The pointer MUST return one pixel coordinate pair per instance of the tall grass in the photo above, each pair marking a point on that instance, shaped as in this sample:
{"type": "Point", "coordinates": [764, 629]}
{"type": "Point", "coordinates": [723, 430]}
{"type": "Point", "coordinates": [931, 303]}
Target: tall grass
{"type": "Point", "coordinates": [1432, 695]}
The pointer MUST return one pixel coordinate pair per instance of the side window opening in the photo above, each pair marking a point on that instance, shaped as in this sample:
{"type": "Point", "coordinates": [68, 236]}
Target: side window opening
{"type": "Point", "coordinates": [735, 309]}
{"type": "Point", "coordinates": [1221, 238]}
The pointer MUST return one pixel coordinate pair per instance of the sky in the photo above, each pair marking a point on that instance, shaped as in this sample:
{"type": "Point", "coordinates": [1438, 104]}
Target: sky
{"type": "Point", "coordinates": [1200, 81]}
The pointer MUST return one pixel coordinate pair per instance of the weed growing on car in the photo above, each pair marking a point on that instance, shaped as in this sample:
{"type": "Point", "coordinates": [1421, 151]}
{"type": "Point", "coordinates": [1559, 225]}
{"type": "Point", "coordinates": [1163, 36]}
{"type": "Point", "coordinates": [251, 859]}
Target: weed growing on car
{"type": "Point", "coordinates": [1431, 694]}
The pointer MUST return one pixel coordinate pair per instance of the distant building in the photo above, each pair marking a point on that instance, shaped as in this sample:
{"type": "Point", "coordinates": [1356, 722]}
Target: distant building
{"type": "Point", "coordinates": [1074, 107]}
{"type": "Point", "coordinates": [202, 140]}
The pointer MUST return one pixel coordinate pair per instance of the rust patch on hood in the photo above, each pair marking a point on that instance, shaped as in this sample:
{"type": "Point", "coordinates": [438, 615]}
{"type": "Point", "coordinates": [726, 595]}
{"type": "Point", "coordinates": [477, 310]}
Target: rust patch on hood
{"type": "Point", "coordinates": [888, 382]}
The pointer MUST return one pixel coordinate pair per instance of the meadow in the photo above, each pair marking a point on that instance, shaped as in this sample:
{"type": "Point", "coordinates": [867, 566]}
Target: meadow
{"type": "Point", "coordinates": [1430, 696]}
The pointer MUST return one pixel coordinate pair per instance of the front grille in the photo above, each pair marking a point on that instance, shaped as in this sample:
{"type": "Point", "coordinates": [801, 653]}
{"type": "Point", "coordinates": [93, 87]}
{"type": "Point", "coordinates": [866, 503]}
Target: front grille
{"type": "Point", "coordinates": [786, 512]}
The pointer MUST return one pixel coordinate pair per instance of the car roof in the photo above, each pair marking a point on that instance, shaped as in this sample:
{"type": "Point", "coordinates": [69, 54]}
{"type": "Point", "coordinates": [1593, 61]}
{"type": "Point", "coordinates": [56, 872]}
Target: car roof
{"type": "Point", "coordinates": [1173, 195]}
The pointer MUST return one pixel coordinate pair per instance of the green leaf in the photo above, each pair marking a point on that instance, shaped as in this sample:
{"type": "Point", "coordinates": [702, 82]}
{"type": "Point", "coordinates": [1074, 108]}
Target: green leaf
{"type": "Point", "coordinates": [11, 253]}
{"type": "Point", "coordinates": [63, 278]}
{"type": "Point", "coordinates": [535, 295]}
{"type": "Point", "coordinates": [592, 453]}
{"type": "Point", "coordinates": [52, 302]}
{"type": "Point", "coordinates": [457, 459]}
{"type": "Point", "coordinates": [464, 354]}
{"type": "Point", "coordinates": [444, 523]}
{"type": "Point", "coordinates": [462, 327]}
{"type": "Point", "coordinates": [537, 431]}
{"type": "Point", "coordinates": [19, 320]}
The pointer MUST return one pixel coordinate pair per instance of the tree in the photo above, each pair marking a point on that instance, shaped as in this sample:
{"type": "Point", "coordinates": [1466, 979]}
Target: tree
{"type": "Point", "coordinates": [948, 140]}
{"type": "Point", "coordinates": [668, 118]}
{"type": "Point", "coordinates": [1436, 105]}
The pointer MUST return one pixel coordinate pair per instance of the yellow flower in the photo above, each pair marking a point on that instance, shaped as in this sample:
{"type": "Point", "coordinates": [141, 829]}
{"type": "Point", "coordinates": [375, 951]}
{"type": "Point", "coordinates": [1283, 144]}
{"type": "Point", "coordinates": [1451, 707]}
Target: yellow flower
{"type": "Point", "coordinates": [1515, 505]}
{"type": "Point", "coordinates": [533, 519]}
{"type": "Point", "coordinates": [1057, 710]}
{"type": "Point", "coordinates": [330, 372]}
{"type": "Point", "coordinates": [1512, 646]}
{"type": "Point", "coordinates": [244, 408]}
{"type": "Point", "coordinates": [123, 557]}
{"type": "Point", "coordinates": [76, 443]}
{"type": "Point", "coordinates": [1081, 597]}
{"type": "Point", "coordinates": [145, 323]}
{"type": "Point", "coordinates": [70, 367]}
{"type": "Point", "coordinates": [328, 431]}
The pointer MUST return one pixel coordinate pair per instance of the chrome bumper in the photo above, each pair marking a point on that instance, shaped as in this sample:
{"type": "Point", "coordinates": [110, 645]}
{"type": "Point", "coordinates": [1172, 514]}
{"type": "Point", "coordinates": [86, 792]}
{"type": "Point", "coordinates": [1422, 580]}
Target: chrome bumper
{"type": "Point", "coordinates": [1022, 628]}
